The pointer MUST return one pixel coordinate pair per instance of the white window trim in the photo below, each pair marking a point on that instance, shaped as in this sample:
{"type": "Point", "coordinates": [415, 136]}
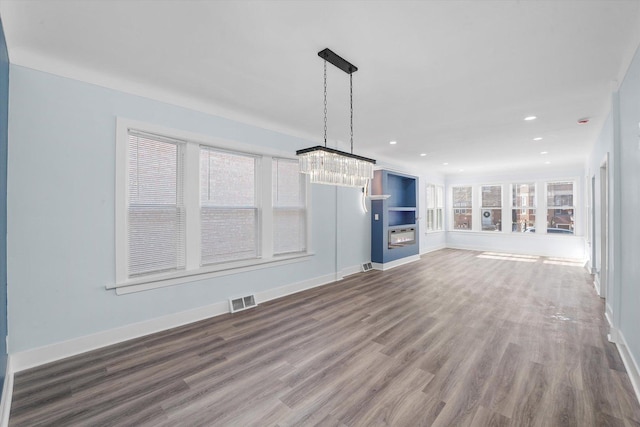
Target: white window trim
{"type": "Point", "coordinates": [507, 192]}
{"type": "Point", "coordinates": [193, 271]}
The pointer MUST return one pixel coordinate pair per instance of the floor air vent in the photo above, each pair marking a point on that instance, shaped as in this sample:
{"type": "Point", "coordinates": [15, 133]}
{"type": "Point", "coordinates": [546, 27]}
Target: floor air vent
{"type": "Point", "coordinates": [242, 303]}
{"type": "Point", "coordinates": [367, 266]}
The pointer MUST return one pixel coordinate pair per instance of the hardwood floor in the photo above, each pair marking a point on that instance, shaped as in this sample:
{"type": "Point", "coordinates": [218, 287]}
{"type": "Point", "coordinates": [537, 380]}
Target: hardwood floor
{"type": "Point", "coordinates": [459, 338]}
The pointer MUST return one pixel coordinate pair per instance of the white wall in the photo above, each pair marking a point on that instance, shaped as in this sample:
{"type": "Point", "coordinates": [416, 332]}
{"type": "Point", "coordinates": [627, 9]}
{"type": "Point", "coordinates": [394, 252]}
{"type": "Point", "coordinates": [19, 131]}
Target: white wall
{"type": "Point", "coordinates": [61, 213]}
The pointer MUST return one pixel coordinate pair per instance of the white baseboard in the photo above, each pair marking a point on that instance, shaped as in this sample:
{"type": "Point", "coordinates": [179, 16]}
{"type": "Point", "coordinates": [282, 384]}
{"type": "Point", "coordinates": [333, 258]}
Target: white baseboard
{"type": "Point", "coordinates": [629, 361]}
{"type": "Point", "coordinates": [608, 313]}
{"type": "Point", "coordinates": [596, 284]}
{"type": "Point", "coordinates": [433, 249]}
{"type": "Point", "coordinates": [393, 264]}
{"type": "Point", "coordinates": [293, 288]}
{"type": "Point", "coordinates": [7, 394]}
{"type": "Point", "coordinates": [348, 271]}
{"type": "Point", "coordinates": [52, 352]}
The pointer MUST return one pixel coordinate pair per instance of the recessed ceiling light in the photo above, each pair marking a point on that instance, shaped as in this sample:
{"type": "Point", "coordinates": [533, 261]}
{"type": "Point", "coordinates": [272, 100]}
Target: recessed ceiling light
{"type": "Point", "coordinates": [529, 118]}
{"type": "Point", "coordinates": [547, 163]}
{"type": "Point", "coordinates": [461, 170]}
{"type": "Point", "coordinates": [445, 164]}
{"type": "Point", "coordinates": [423, 154]}
{"type": "Point", "coordinates": [393, 142]}
{"type": "Point", "coordinates": [538, 138]}
{"type": "Point", "coordinates": [544, 152]}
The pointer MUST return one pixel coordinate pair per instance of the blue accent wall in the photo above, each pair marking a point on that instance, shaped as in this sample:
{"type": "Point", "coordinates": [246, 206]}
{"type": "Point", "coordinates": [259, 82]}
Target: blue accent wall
{"type": "Point", "coordinates": [399, 211]}
{"type": "Point", "coordinates": [4, 136]}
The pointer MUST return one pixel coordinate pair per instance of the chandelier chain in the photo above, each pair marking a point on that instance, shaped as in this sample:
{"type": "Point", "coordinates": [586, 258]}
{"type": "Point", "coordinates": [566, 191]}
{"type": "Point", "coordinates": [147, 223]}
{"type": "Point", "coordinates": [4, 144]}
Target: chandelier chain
{"type": "Point", "coordinates": [351, 101]}
{"type": "Point", "coordinates": [325, 102]}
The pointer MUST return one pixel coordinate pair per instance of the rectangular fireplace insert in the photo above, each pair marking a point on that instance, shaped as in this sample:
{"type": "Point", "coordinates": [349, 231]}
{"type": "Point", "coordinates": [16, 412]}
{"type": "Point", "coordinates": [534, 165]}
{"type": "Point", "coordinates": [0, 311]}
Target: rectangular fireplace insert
{"type": "Point", "coordinates": [402, 237]}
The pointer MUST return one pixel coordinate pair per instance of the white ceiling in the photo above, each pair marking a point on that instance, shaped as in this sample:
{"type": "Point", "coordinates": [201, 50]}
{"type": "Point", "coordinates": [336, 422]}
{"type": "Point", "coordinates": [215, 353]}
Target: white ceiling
{"type": "Point", "coordinates": [452, 79]}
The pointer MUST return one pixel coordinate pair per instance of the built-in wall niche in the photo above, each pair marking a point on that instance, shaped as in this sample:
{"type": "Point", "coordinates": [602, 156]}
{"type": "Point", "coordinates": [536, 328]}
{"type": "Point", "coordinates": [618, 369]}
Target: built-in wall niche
{"type": "Point", "coordinates": [402, 190]}
{"type": "Point", "coordinates": [394, 225]}
{"type": "Point", "coordinates": [401, 216]}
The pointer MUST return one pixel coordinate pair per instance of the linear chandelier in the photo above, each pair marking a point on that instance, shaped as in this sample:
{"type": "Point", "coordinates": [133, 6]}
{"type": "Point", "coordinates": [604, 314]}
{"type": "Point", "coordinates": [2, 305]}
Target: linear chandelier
{"type": "Point", "coordinates": [326, 165]}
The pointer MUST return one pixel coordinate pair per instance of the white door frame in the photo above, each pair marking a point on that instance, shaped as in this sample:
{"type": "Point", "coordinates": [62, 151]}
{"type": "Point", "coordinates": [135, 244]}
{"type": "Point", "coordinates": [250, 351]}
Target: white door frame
{"type": "Point", "coordinates": [603, 271]}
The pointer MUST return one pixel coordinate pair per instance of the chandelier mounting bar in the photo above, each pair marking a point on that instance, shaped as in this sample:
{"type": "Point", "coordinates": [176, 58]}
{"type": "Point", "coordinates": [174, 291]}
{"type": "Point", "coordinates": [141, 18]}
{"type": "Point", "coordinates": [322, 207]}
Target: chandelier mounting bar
{"type": "Point", "coordinates": [335, 59]}
{"type": "Point", "coordinates": [334, 151]}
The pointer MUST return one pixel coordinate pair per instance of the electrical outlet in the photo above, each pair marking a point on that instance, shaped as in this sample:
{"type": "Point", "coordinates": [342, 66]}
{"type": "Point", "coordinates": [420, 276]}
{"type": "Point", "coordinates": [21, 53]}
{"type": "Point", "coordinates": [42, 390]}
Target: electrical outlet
{"type": "Point", "coordinates": [376, 217]}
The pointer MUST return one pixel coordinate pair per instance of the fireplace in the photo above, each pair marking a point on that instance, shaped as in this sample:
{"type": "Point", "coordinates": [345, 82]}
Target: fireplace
{"type": "Point", "coordinates": [402, 237]}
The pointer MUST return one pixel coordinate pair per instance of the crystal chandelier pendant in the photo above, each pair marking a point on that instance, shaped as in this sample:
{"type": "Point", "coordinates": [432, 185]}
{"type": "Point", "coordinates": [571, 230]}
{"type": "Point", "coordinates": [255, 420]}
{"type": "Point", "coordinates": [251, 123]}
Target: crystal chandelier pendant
{"type": "Point", "coordinates": [326, 165]}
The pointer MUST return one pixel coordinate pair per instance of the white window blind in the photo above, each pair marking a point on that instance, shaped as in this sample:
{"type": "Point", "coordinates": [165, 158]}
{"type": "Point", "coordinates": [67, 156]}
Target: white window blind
{"type": "Point", "coordinates": [155, 210]}
{"type": "Point", "coordinates": [435, 205]}
{"type": "Point", "coordinates": [289, 207]}
{"type": "Point", "coordinates": [229, 216]}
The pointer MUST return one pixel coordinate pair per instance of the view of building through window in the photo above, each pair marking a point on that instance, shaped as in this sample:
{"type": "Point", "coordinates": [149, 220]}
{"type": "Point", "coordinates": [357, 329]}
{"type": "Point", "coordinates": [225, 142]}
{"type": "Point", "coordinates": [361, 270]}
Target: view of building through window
{"type": "Point", "coordinates": [491, 208]}
{"type": "Point", "coordinates": [523, 203]}
{"type": "Point", "coordinates": [462, 207]}
{"type": "Point", "coordinates": [560, 207]}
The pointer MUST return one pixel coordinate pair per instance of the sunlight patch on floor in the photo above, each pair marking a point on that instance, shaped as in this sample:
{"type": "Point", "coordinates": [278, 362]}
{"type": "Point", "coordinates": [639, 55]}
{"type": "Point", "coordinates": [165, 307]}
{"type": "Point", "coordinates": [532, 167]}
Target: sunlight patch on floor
{"type": "Point", "coordinates": [508, 257]}
{"type": "Point", "coordinates": [568, 262]}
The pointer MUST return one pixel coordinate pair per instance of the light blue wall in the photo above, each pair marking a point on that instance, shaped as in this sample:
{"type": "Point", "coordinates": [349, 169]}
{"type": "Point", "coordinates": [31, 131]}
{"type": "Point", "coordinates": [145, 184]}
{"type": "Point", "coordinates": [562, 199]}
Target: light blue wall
{"type": "Point", "coordinates": [629, 128]}
{"type": "Point", "coordinates": [4, 111]}
{"type": "Point", "coordinates": [61, 212]}
{"type": "Point", "coordinates": [354, 229]}
{"type": "Point", "coordinates": [620, 138]}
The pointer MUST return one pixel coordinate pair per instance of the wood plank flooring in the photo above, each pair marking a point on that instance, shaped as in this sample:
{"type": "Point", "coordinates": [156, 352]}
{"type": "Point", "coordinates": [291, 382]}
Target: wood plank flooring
{"type": "Point", "coordinates": [460, 338]}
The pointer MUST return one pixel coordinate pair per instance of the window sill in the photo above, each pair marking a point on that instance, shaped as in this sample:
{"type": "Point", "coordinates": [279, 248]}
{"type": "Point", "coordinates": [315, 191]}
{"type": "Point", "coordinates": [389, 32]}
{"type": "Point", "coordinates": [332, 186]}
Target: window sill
{"type": "Point", "coordinates": [516, 234]}
{"type": "Point", "coordinates": [176, 278]}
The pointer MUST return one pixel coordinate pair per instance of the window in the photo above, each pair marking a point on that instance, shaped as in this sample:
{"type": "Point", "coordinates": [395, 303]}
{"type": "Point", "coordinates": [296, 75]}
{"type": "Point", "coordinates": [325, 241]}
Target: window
{"type": "Point", "coordinates": [435, 207]}
{"type": "Point", "coordinates": [560, 207]}
{"type": "Point", "coordinates": [491, 208]}
{"type": "Point", "coordinates": [229, 221]}
{"type": "Point", "coordinates": [187, 208]}
{"type": "Point", "coordinates": [523, 207]}
{"type": "Point", "coordinates": [155, 209]}
{"type": "Point", "coordinates": [462, 204]}
{"type": "Point", "coordinates": [289, 207]}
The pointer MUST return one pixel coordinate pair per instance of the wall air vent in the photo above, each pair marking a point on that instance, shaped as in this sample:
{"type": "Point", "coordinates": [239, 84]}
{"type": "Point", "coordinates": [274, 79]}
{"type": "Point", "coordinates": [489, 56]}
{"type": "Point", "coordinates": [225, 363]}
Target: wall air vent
{"type": "Point", "coordinates": [242, 303]}
{"type": "Point", "coordinates": [367, 266]}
